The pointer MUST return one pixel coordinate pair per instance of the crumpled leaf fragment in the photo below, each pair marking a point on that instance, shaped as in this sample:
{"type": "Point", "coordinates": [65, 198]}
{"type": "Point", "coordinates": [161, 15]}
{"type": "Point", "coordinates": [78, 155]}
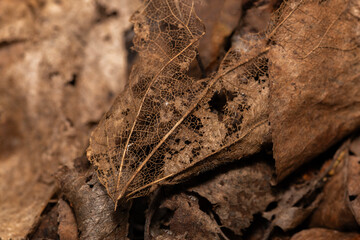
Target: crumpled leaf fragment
{"type": "Point", "coordinates": [220, 18]}
{"type": "Point", "coordinates": [238, 194]}
{"type": "Point", "coordinates": [353, 188]}
{"type": "Point", "coordinates": [67, 222]}
{"type": "Point", "coordinates": [231, 195]}
{"type": "Point", "coordinates": [292, 208]}
{"type": "Point", "coordinates": [187, 221]}
{"type": "Point", "coordinates": [47, 226]}
{"type": "Point", "coordinates": [335, 209]}
{"type": "Point", "coordinates": [93, 208]}
{"type": "Point", "coordinates": [324, 234]}
{"type": "Point", "coordinates": [300, 200]}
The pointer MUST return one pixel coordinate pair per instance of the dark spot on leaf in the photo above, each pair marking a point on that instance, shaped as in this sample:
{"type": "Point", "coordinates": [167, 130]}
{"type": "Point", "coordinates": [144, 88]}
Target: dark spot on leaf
{"type": "Point", "coordinates": [220, 99]}
{"type": "Point", "coordinates": [195, 152]}
{"type": "Point", "coordinates": [352, 197]}
{"type": "Point", "coordinates": [88, 179]}
{"type": "Point", "coordinates": [73, 80]}
{"type": "Point", "coordinates": [91, 124]}
{"type": "Point", "coordinates": [194, 123]}
{"type": "Point", "coordinates": [103, 13]}
{"type": "Point", "coordinates": [271, 206]}
{"type": "Point", "coordinates": [110, 95]}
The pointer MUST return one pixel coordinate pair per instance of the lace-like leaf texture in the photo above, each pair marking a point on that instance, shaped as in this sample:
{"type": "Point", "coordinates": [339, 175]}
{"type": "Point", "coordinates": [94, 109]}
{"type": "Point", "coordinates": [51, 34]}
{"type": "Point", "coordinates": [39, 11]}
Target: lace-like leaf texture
{"type": "Point", "coordinates": [158, 95]}
{"type": "Point", "coordinates": [157, 123]}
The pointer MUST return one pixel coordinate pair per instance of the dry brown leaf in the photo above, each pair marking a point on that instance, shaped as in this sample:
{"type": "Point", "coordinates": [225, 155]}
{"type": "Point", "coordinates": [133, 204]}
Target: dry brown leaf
{"type": "Point", "coordinates": [324, 234]}
{"type": "Point", "coordinates": [315, 73]}
{"type": "Point", "coordinates": [46, 91]}
{"type": "Point", "coordinates": [257, 17]}
{"type": "Point", "coordinates": [304, 197]}
{"type": "Point", "coordinates": [187, 220]}
{"type": "Point", "coordinates": [48, 225]}
{"type": "Point", "coordinates": [355, 146]}
{"type": "Point", "coordinates": [220, 18]}
{"type": "Point", "coordinates": [92, 206]}
{"type": "Point", "coordinates": [67, 222]}
{"type": "Point", "coordinates": [334, 211]}
{"type": "Point", "coordinates": [353, 187]}
{"type": "Point", "coordinates": [17, 22]}
{"type": "Point", "coordinates": [238, 194]}
{"type": "Point", "coordinates": [294, 206]}
{"type": "Point", "coordinates": [230, 197]}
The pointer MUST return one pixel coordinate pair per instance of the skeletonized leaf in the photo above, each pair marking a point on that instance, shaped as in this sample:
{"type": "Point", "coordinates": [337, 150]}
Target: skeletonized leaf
{"type": "Point", "coordinates": [166, 123]}
{"type": "Point", "coordinates": [230, 122]}
{"type": "Point", "coordinates": [157, 98]}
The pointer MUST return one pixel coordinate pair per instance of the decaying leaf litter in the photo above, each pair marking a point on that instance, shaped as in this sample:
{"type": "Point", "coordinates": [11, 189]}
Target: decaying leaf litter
{"type": "Point", "coordinates": [233, 107]}
{"type": "Point", "coordinates": [165, 123]}
{"type": "Point", "coordinates": [165, 118]}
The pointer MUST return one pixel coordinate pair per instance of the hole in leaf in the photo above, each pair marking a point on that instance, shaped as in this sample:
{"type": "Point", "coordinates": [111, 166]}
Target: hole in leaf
{"type": "Point", "coordinates": [73, 80]}
{"type": "Point", "coordinates": [194, 123]}
{"type": "Point", "coordinates": [219, 100]}
{"type": "Point", "coordinates": [88, 179]}
{"type": "Point", "coordinates": [352, 197]}
{"type": "Point", "coordinates": [271, 206]}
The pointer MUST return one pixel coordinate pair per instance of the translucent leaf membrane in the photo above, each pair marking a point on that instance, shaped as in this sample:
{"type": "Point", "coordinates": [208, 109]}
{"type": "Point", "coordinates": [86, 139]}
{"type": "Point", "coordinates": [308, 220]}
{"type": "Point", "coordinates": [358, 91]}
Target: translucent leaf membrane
{"type": "Point", "coordinates": [234, 104]}
{"type": "Point", "coordinates": [158, 95]}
